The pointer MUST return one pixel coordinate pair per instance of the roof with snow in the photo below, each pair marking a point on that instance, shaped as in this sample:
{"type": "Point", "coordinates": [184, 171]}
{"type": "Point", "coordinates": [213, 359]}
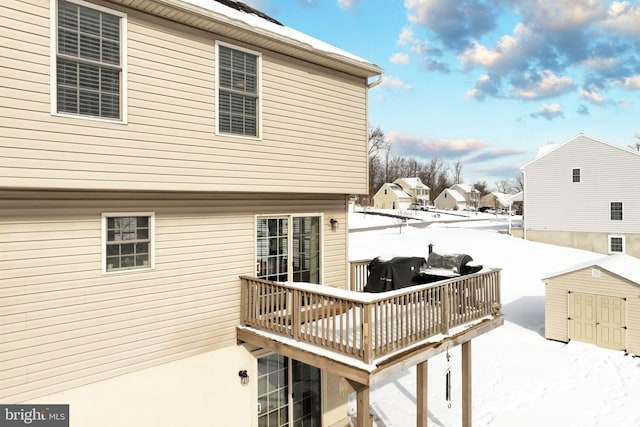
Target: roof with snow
{"type": "Point", "coordinates": [453, 193]}
{"type": "Point", "coordinates": [621, 265]}
{"type": "Point", "coordinates": [412, 182]}
{"type": "Point", "coordinates": [398, 191]}
{"type": "Point", "coordinates": [239, 21]}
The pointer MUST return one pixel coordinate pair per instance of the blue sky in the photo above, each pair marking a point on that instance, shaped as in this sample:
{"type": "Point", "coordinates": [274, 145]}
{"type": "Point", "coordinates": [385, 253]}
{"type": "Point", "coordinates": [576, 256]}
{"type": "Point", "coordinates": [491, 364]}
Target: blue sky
{"type": "Point", "coordinates": [487, 82]}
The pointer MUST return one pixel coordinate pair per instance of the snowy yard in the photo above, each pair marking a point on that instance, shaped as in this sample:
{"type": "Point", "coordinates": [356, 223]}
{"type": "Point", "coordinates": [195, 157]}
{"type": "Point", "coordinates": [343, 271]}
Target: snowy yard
{"type": "Point", "coordinates": [519, 377]}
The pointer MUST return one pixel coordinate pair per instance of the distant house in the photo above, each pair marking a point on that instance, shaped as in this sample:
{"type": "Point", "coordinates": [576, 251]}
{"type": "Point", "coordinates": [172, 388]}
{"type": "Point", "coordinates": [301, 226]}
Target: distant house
{"type": "Point", "coordinates": [495, 200]}
{"type": "Point", "coordinates": [579, 194]}
{"type": "Point", "coordinates": [401, 194]}
{"type": "Point", "coordinates": [450, 200]}
{"type": "Point", "coordinates": [470, 194]}
{"type": "Point", "coordinates": [596, 302]}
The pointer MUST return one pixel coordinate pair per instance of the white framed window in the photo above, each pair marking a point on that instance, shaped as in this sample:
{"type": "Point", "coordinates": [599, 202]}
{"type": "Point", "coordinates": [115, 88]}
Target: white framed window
{"type": "Point", "coordinates": [88, 61]}
{"type": "Point", "coordinates": [238, 88]}
{"type": "Point", "coordinates": [128, 241]}
{"type": "Point", "coordinates": [615, 211]}
{"type": "Point", "coordinates": [575, 175]}
{"type": "Point", "coordinates": [289, 248]}
{"type": "Point", "coordinates": [616, 244]}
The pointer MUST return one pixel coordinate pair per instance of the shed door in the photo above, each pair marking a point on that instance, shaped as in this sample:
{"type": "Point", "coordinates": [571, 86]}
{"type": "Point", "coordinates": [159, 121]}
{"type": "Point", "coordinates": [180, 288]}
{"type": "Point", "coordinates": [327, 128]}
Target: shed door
{"type": "Point", "coordinates": [597, 319]}
{"type": "Point", "coordinates": [582, 317]}
{"type": "Point", "coordinates": [610, 327]}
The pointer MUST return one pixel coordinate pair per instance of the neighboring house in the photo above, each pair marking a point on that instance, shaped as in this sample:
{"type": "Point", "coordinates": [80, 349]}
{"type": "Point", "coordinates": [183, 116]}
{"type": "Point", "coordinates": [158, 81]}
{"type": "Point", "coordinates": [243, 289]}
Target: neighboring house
{"type": "Point", "coordinates": [392, 196]}
{"type": "Point", "coordinates": [495, 200]}
{"type": "Point", "coordinates": [596, 302]}
{"type": "Point", "coordinates": [450, 199]}
{"type": "Point", "coordinates": [581, 194]}
{"type": "Point", "coordinates": [416, 189]}
{"type": "Point", "coordinates": [470, 194]}
{"type": "Point", "coordinates": [153, 151]}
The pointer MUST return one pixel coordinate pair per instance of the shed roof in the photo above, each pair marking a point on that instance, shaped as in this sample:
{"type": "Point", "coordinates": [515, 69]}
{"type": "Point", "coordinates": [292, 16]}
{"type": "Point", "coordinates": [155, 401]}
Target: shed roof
{"type": "Point", "coordinates": [621, 265]}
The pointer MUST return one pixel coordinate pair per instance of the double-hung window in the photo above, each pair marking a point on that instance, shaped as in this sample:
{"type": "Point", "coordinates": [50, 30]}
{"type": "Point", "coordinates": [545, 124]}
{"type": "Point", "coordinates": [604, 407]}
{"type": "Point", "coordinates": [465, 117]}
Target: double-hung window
{"type": "Point", "coordinates": [288, 248]}
{"type": "Point", "coordinates": [616, 211]}
{"type": "Point", "coordinates": [128, 241]}
{"type": "Point", "coordinates": [89, 61]}
{"type": "Point", "coordinates": [575, 175]}
{"type": "Point", "coordinates": [238, 91]}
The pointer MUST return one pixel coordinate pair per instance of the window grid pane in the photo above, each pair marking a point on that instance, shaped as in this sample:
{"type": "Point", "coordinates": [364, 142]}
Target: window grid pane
{"type": "Point", "coordinates": [238, 92]}
{"type": "Point", "coordinates": [576, 175]}
{"type": "Point", "coordinates": [82, 88]}
{"type": "Point", "coordinates": [616, 245]}
{"type": "Point", "coordinates": [616, 211]}
{"type": "Point", "coordinates": [128, 243]}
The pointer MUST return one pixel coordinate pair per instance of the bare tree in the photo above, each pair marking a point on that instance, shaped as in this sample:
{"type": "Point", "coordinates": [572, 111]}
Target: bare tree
{"type": "Point", "coordinates": [503, 186]}
{"type": "Point", "coordinates": [518, 183]}
{"type": "Point", "coordinates": [457, 172]}
{"type": "Point", "coordinates": [482, 187]}
{"type": "Point", "coordinates": [377, 141]}
{"type": "Point", "coordinates": [636, 145]}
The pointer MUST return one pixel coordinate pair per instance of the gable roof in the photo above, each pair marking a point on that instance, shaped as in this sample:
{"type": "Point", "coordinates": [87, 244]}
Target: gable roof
{"type": "Point", "coordinates": [621, 265]}
{"type": "Point", "coordinates": [453, 193]}
{"type": "Point", "coordinates": [398, 191]}
{"type": "Point", "coordinates": [548, 149]}
{"type": "Point", "coordinates": [238, 21]}
{"type": "Point", "coordinates": [415, 182]}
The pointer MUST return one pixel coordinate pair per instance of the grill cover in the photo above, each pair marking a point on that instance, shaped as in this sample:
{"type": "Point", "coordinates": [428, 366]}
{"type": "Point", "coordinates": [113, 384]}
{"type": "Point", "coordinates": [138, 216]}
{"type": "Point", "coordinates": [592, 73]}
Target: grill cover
{"type": "Point", "coordinates": [396, 273]}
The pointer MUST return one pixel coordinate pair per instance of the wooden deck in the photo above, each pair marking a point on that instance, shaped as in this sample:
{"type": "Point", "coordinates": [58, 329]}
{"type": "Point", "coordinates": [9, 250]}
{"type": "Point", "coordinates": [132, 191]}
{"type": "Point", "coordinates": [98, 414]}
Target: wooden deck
{"type": "Point", "coordinates": [364, 326]}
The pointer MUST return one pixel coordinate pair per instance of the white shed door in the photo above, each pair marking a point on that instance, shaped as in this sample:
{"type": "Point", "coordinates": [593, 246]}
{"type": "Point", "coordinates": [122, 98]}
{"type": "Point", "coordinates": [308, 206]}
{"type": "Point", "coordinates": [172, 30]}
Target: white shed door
{"type": "Point", "coordinates": [597, 319]}
{"type": "Point", "coordinates": [582, 317]}
{"type": "Point", "coordinates": [610, 327]}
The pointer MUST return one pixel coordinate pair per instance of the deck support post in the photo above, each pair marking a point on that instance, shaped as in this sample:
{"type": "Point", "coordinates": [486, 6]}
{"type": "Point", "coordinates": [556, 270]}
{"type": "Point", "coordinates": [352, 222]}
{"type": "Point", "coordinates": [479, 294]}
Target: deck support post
{"type": "Point", "coordinates": [466, 384]}
{"type": "Point", "coordinates": [422, 373]}
{"type": "Point", "coordinates": [363, 418]}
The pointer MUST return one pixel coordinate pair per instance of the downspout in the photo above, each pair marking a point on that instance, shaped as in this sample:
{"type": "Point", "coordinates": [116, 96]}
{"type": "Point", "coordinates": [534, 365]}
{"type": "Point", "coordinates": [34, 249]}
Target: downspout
{"type": "Point", "coordinates": [524, 217]}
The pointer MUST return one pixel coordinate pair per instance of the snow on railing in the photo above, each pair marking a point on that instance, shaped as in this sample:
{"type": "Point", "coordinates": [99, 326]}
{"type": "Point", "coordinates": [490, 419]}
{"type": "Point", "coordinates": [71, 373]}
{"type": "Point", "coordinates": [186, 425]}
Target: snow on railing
{"type": "Point", "coordinates": [367, 326]}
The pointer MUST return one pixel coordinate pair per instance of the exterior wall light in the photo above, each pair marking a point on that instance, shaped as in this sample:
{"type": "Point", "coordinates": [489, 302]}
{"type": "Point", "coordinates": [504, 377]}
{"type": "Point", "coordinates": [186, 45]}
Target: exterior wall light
{"type": "Point", "coordinates": [334, 223]}
{"type": "Point", "coordinates": [244, 377]}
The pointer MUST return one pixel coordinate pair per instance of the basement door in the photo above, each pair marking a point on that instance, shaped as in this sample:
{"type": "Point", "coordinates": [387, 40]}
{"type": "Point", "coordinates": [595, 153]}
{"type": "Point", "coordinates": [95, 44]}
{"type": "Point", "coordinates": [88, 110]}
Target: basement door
{"type": "Point", "coordinates": [288, 393]}
{"type": "Point", "coordinates": [597, 319]}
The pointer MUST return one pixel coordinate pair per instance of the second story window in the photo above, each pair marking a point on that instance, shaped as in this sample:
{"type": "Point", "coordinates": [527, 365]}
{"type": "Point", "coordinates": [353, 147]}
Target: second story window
{"type": "Point", "coordinates": [616, 211]}
{"type": "Point", "coordinates": [238, 78]}
{"type": "Point", "coordinates": [89, 65]}
{"type": "Point", "coordinates": [575, 175]}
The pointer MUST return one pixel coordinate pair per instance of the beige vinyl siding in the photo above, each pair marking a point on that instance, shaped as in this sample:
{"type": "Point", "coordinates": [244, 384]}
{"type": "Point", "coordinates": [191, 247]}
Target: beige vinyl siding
{"type": "Point", "coordinates": [554, 203]}
{"type": "Point", "coordinates": [313, 119]}
{"type": "Point", "coordinates": [63, 323]}
{"type": "Point", "coordinates": [582, 281]}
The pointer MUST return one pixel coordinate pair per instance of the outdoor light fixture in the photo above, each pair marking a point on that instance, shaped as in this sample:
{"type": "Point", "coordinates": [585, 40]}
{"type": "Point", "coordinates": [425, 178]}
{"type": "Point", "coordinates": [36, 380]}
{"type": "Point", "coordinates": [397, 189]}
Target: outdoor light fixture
{"type": "Point", "coordinates": [334, 223]}
{"type": "Point", "coordinates": [244, 377]}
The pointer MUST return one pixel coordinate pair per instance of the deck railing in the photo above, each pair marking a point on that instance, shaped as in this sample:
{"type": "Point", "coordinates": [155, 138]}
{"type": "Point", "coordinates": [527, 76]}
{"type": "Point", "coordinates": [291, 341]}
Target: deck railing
{"type": "Point", "coordinates": [359, 273]}
{"type": "Point", "coordinates": [367, 326]}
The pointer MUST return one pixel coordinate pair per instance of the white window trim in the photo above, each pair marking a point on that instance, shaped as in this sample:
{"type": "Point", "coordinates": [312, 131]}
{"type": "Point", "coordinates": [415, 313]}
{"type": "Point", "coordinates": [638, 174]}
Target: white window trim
{"type": "Point", "coordinates": [217, 90]}
{"type": "Point", "coordinates": [290, 241]}
{"type": "Point", "coordinates": [624, 246]}
{"type": "Point", "coordinates": [53, 37]}
{"type": "Point", "coordinates": [580, 172]}
{"type": "Point", "coordinates": [152, 241]}
{"type": "Point", "coordinates": [609, 211]}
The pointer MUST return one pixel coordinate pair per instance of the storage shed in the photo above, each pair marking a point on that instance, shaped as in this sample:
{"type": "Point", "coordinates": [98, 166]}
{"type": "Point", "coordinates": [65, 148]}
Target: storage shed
{"type": "Point", "coordinates": [596, 302]}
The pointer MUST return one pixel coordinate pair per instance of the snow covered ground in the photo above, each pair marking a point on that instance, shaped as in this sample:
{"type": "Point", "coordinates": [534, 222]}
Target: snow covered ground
{"type": "Point", "coordinates": [519, 377]}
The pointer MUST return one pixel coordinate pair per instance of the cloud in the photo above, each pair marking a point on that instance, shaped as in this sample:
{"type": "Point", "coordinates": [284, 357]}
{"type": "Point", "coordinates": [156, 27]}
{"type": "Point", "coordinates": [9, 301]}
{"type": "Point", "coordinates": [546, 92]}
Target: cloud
{"type": "Point", "coordinates": [347, 4]}
{"type": "Point", "coordinates": [399, 58]}
{"type": "Point", "coordinates": [454, 23]}
{"type": "Point", "coordinates": [583, 110]}
{"type": "Point", "coordinates": [549, 112]}
{"type": "Point", "coordinates": [493, 154]}
{"type": "Point", "coordinates": [544, 84]}
{"type": "Point", "coordinates": [591, 95]}
{"type": "Point", "coordinates": [561, 15]}
{"type": "Point", "coordinates": [623, 17]}
{"type": "Point", "coordinates": [421, 47]}
{"type": "Point", "coordinates": [414, 146]}
{"type": "Point", "coordinates": [434, 65]}
{"type": "Point", "coordinates": [394, 82]}
{"type": "Point", "coordinates": [630, 83]}
{"type": "Point", "coordinates": [484, 86]}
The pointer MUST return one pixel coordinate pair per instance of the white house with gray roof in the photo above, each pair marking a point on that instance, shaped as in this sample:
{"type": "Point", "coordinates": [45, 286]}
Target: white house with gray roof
{"type": "Point", "coordinates": [582, 194]}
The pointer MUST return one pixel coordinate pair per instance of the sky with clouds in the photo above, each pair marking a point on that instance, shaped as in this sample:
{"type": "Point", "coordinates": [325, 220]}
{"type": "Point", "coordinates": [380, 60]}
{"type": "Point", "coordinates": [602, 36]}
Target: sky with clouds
{"type": "Point", "coordinates": [487, 82]}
